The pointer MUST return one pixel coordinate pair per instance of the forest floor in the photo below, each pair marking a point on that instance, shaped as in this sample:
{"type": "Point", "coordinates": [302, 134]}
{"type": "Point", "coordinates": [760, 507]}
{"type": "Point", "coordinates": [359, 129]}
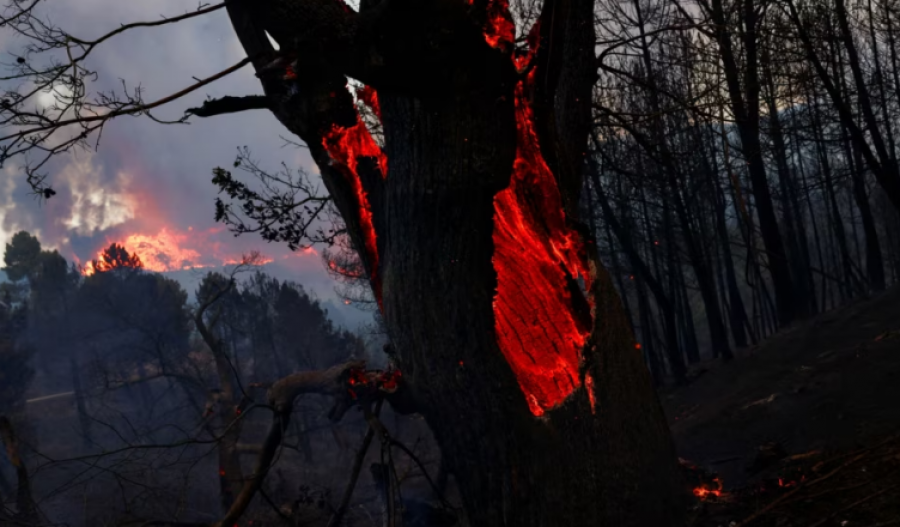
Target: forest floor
{"type": "Point", "coordinates": [803, 429]}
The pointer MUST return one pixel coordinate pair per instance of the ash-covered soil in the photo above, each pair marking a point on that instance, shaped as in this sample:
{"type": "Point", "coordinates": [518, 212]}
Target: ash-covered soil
{"type": "Point", "coordinates": [796, 408]}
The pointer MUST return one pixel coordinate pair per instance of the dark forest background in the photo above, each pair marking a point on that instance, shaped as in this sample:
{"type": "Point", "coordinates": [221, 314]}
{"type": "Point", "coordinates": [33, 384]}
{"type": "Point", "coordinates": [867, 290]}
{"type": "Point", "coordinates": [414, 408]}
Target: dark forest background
{"type": "Point", "coordinates": [743, 177]}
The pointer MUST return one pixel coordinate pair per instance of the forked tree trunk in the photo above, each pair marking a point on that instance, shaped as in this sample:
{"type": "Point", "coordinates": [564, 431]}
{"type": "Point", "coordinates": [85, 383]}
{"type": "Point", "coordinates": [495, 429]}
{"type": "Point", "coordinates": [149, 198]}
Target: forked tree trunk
{"type": "Point", "coordinates": [466, 225]}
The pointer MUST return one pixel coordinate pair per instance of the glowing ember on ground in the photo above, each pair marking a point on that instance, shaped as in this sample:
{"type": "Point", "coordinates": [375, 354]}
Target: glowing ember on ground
{"type": "Point", "coordinates": [535, 257]}
{"type": "Point", "coordinates": [710, 490]}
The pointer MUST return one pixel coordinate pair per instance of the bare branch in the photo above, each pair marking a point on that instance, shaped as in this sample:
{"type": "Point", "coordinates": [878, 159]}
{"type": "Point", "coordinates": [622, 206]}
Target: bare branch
{"type": "Point", "coordinates": [230, 104]}
{"type": "Point", "coordinates": [281, 397]}
{"type": "Point", "coordinates": [125, 27]}
{"type": "Point", "coordinates": [129, 110]}
{"type": "Point", "coordinates": [354, 473]}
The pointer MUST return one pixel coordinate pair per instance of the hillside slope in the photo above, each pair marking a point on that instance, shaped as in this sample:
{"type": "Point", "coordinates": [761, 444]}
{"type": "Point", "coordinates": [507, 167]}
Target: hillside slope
{"type": "Point", "coordinates": [830, 383]}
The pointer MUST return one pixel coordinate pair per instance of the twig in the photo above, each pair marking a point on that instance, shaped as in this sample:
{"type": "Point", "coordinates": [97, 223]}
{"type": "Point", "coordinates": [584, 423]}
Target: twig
{"type": "Point", "coordinates": [230, 104]}
{"type": "Point", "coordinates": [855, 504]}
{"type": "Point", "coordinates": [802, 486]}
{"type": "Point", "coordinates": [131, 110]}
{"type": "Point", "coordinates": [354, 474]}
{"type": "Point", "coordinates": [421, 466]}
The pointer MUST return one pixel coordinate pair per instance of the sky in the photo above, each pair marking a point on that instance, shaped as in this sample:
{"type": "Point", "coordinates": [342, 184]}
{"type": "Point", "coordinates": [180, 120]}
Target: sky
{"type": "Point", "coordinates": [148, 185]}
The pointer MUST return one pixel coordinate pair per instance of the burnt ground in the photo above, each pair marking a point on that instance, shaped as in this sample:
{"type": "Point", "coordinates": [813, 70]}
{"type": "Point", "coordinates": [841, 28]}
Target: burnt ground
{"type": "Point", "coordinates": [819, 397]}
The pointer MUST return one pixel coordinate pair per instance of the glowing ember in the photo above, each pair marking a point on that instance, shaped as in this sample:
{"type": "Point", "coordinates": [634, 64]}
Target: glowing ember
{"type": "Point", "coordinates": [346, 146]}
{"type": "Point", "coordinates": [389, 381]}
{"type": "Point", "coordinates": [535, 257]}
{"type": "Point", "coordinates": [344, 271]}
{"type": "Point", "coordinates": [499, 31]}
{"type": "Point", "coordinates": [710, 490]}
{"type": "Point", "coordinates": [589, 386]}
{"type": "Point", "coordinates": [385, 381]}
{"type": "Point", "coordinates": [369, 97]}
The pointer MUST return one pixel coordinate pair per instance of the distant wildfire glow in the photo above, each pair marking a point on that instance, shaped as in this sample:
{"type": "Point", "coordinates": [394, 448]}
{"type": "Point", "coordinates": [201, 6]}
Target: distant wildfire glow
{"type": "Point", "coordinates": [171, 250]}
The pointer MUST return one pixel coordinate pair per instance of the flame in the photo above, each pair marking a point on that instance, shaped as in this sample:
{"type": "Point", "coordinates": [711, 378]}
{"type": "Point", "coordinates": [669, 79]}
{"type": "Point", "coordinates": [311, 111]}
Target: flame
{"type": "Point", "coordinates": [589, 386]}
{"type": "Point", "coordinates": [787, 483]}
{"type": "Point", "coordinates": [346, 146]}
{"type": "Point", "coordinates": [170, 250]}
{"type": "Point", "coordinates": [369, 97]}
{"type": "Point", "coordinates": [710, 490]}
{"type": "Point", "coordinates": [499, 30]}
{"type": "Point", "coordinates": [113, 257]}
{"type": "Point", "coordinates": [344, 271]}
{"type": "Point", "coordinates": [535, 256]}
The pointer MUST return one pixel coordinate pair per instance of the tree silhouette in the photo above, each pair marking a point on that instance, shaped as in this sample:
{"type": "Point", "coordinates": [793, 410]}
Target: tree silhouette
{"type": "Point", "coordinates": [115, 257]}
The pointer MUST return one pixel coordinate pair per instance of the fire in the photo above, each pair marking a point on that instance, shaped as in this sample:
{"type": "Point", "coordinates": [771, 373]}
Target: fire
{"type": "Point", "coordinates": [589, 386]}
{"type": "Point", "coordinates": [369, 97]}
{"type": "Point", "coordinates": [710, 490]}
{"type": "Point", "coordinates": [114, 257]}
{"type": "Point", "coordinates": [499, 31]}
{"type": "Point", "coordinates": [344, 271]}
{"type": "Point", "coordinates": [168, 250]}
{"type": "Point", "coordinates": [346, 146]}
{"type": "Point", "coordinates": [163, 252]}
{"type": "Point", "coordinates": [535, 256]}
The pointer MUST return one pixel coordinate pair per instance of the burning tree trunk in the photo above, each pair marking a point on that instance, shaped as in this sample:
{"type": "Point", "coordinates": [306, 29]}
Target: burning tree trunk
{"type": "Point", "coordinates": [510, 334]}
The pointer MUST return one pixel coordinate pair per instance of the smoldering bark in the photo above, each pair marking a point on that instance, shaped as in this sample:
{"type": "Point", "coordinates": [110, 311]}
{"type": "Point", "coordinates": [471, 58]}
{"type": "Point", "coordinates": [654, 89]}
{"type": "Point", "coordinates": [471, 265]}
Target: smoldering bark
{"type": "Point", "coordinates": [450, 150]}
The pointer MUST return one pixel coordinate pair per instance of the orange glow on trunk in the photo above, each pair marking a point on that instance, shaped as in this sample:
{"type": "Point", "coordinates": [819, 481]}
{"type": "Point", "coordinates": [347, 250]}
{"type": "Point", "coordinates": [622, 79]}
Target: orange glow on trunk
{"type": "Point", "coordinates": [535, 256]}
{"type": "Point", "coordinates": [589, 386]}
{"type": "Point", "coordinates": [346, 146]}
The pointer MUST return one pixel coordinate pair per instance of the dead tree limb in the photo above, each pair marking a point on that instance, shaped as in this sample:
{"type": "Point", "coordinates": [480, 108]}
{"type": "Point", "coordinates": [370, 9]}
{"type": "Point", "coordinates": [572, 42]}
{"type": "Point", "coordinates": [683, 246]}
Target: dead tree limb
{"type": "Point", "coordinates": [281, 396]}
{"type": "Point", "coordinates": [230, 104]}
{"type": "Point", "coordinates": [354, 474]}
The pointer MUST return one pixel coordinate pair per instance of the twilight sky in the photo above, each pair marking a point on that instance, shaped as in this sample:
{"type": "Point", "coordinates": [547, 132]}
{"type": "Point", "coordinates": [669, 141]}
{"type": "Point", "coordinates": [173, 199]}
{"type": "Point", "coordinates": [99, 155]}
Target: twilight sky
{"type": "Point", "coordinates": [148, 186]}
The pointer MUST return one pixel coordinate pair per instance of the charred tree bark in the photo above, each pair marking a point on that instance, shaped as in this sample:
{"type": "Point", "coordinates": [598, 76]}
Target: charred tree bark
{"type": "Point", "coordinates": [429, 215]}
